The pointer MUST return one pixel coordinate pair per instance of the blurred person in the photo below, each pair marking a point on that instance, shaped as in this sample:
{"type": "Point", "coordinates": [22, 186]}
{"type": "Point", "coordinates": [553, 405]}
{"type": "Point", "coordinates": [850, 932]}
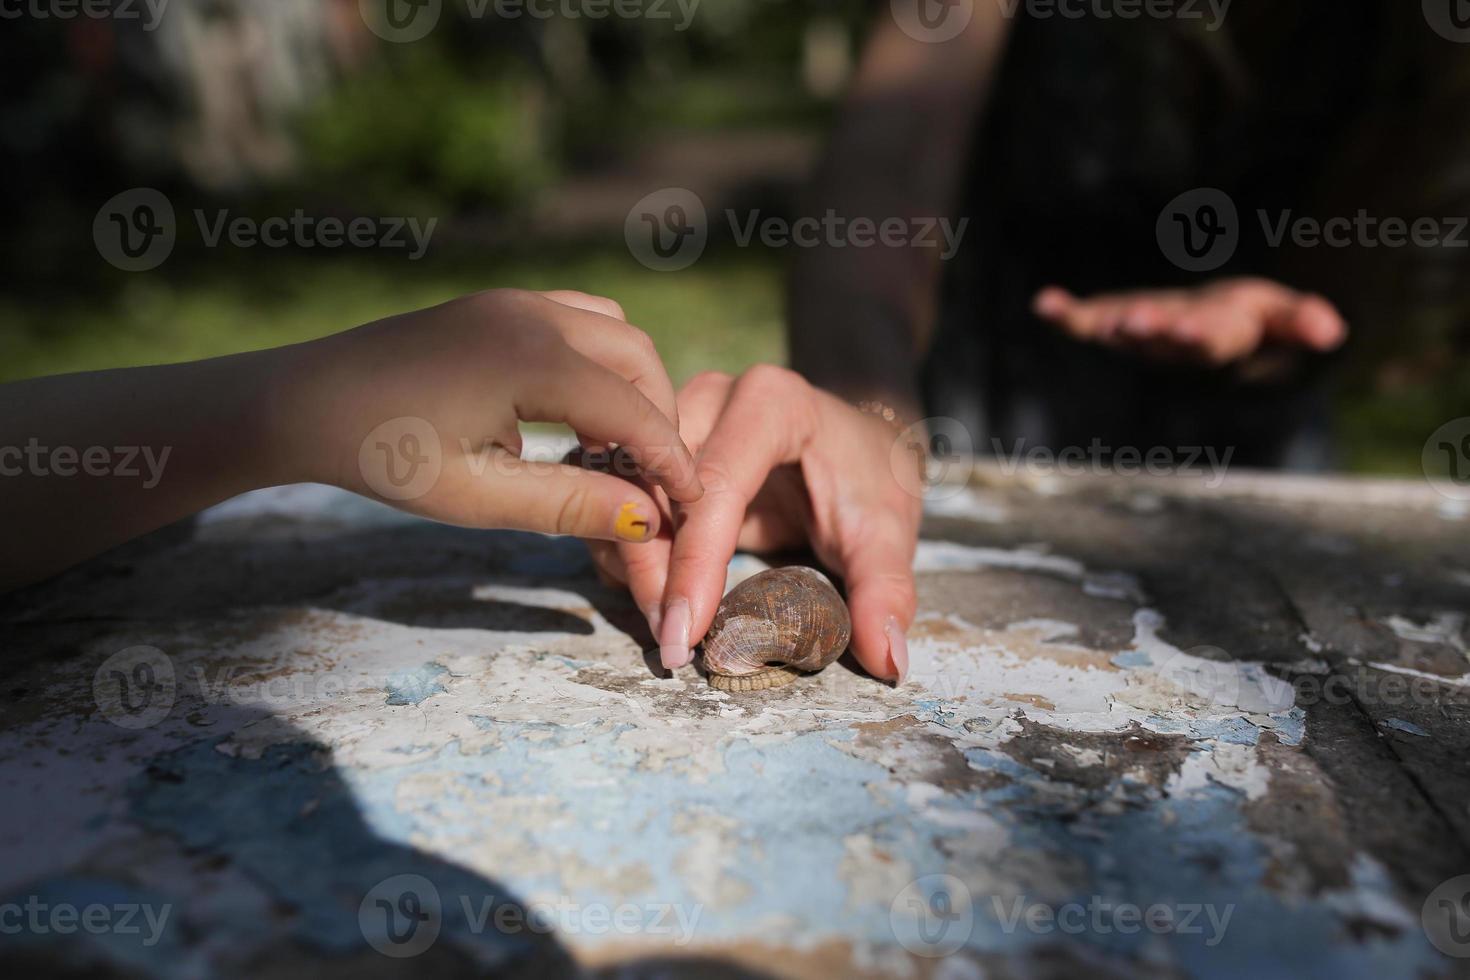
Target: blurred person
{"type": "Point", "coordinates": [1063, 322]}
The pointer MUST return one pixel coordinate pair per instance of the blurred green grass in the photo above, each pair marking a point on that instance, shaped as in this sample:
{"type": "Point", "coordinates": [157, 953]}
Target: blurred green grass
{"type": "Point", "coordinates": [723, 313]}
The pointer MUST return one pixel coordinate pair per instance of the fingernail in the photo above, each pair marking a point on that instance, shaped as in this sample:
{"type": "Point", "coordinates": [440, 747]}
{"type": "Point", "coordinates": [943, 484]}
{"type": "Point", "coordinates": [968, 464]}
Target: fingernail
{"type": "Point", "coordinates": [673, 635]}
{"type": "Point", "coordinates": [898, 648]}
{"type": "Point", "coordinates": [655, 616]}
{"type": "Point", "coordinates": [631, 524]}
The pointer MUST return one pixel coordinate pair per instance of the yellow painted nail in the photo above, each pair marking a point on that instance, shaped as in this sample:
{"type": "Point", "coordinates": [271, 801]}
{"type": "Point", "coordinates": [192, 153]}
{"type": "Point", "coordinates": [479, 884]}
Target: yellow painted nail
{"type": "Point", "coordinates": [631, 525]}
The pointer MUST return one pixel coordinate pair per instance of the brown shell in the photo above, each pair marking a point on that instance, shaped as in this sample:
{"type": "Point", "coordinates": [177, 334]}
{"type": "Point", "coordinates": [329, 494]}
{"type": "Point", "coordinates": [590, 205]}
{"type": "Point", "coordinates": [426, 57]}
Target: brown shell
{"type": "Point", "coordinates": [774, 625]}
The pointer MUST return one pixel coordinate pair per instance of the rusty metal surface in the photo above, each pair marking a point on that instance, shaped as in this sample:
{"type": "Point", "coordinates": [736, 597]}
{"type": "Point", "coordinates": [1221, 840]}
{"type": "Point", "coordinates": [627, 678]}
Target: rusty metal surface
{"type": "Point", "coordinates": [1145, 732]}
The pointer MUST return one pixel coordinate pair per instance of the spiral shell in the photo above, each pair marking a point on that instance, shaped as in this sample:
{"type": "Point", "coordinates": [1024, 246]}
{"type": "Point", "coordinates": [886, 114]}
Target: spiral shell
{"type": "Point", "coordinates": [773, 627]}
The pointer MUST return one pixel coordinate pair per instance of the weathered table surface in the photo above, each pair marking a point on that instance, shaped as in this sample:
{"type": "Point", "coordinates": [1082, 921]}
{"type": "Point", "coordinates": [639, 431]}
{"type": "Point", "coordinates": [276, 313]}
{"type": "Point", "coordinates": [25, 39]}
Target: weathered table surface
{"type": "Point", "coordinates": [1149, 729]}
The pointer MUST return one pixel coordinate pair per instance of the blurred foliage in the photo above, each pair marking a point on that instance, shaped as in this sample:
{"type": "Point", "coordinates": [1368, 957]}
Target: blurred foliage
{"type": "Point", "coordinates": [418, 133]}
{"type": "Point", "coordinates": [723, 314]}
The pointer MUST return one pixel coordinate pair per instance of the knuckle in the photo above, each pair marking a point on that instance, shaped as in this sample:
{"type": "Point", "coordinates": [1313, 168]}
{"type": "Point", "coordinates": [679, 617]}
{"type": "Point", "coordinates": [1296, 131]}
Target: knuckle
{"type": "Point", "coordinates": [714, 380]}
{"type": "Point", "coordinates": [715, 476]}
{"type": "Point", "coordinates": [575, 509]}
{"type": "Point", "coordinates": [770, 379]}
{"type": "Point", "coordinates": [641, 341]}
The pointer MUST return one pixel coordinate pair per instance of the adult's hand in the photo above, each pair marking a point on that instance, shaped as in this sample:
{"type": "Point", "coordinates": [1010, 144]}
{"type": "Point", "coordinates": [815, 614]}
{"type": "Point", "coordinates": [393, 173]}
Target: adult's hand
{"type": "Point", "coordinates": [783, 464]}
{"type": "Point", "coordinates": [1216, 324]}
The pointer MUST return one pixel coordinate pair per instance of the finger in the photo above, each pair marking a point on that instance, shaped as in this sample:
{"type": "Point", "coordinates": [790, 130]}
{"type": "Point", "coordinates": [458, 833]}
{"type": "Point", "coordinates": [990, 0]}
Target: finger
{"type": "Point", "coordinates": [1143, 319]}
{"type": "Point", "coordinates": [1307, 320]}
{"type": "Point", "coordinates": [647, 569]}
{"type": "Point", "coordinates": [1052, 303]}
{"type": "Point", "coordinates": [605, 407]}
{"type": "Point", "coordinates": [1090, 319]}
{"type": "Point", "coordinates": [878, 569]}
{"type": "Point", "coordinates": [605, 336]}
{"type": "Point", "coordinates": [647, 565]}
{"type": "Point", "coordinates": [554, 498]}
{"type": "Point", "coordinates": [761, 428]}
{"type": "Point", "coordinates": [609, 564]}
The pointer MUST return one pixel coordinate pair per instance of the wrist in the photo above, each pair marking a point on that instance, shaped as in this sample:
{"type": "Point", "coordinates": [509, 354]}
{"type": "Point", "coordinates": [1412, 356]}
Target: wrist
{"type": "Point", "coordinates": [290, 416]}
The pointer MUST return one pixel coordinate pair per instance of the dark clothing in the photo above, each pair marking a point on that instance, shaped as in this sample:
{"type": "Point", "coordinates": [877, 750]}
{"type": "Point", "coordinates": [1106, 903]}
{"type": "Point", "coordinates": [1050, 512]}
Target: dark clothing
{"type": "Point", "coordinates": [1093, 127]}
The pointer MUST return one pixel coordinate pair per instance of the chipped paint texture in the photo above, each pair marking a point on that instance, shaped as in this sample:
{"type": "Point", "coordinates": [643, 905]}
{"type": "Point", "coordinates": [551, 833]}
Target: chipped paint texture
{"type": "Point", "coordinates": [538, 757]}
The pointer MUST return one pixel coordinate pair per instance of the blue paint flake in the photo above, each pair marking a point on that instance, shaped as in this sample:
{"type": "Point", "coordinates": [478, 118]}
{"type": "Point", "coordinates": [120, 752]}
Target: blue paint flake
{"type": "Point", "coordinates": [416, 685]}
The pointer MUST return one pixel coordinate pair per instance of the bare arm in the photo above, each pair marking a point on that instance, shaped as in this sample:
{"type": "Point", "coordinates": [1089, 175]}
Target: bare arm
{"type": "Point", "coordinates": [419, 410]}
{"type": "Point", "coordinates": [860, 318]}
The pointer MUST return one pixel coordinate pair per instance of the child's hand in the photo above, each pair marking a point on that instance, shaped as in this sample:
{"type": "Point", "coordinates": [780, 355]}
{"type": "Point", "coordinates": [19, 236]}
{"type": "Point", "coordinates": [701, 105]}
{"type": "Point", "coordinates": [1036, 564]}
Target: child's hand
{"type": "Point", "coordinates": [420, 410]}
{"type": "Point", "coordinates": [1216, 324]}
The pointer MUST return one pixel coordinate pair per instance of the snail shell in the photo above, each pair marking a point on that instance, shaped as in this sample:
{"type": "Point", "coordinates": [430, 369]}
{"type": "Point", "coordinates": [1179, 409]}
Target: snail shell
{"type": "Point", "coordinates": [773, 627]}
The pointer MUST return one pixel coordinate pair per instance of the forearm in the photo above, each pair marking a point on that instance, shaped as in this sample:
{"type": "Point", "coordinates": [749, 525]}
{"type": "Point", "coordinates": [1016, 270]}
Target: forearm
{"type": "Point", "coordinates": [860, 317]}
{"type": "Point", "coordinates": [88, 461]}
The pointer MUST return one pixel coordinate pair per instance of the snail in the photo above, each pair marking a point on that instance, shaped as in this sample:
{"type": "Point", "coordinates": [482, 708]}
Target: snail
{"type": "Point", "coordinates": [774, 627]}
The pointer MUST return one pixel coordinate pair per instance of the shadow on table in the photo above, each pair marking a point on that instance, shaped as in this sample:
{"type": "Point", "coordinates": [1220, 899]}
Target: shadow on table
{"type": "Point", "coordinates": [269, 865]}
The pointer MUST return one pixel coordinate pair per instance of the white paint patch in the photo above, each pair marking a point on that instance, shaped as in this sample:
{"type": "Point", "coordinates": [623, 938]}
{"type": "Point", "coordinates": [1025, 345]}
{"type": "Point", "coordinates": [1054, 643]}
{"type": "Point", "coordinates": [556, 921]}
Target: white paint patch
{"type": "Point", "coordinates": [1462, 680]}
{"type": "Point", "coordinates": [1447, 628]}
{"type": "Point", "coordinates": [1235, 766]}
{"type": "Point", "coordinates": [1227, 683]}
{"type": "Point", "coordinates": [969, 504]}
